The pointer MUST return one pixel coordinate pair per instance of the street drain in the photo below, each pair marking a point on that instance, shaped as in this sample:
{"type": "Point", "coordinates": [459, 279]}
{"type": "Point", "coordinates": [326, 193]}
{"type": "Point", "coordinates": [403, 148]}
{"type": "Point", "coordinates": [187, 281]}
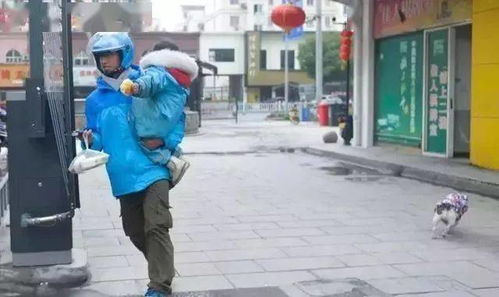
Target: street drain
{"type": "Point", "coordinates": [363, 178]}
{"type": "Point", "coordinates": [349, 287]}
{"type": "Point", "coordinates": [344, 169]}
{"type": "Point", "coordinates": [337, 170]}
{"type": "Point", "coordinates": [287, 150]}
{"type": "Point", "coordinates": [250, 292]}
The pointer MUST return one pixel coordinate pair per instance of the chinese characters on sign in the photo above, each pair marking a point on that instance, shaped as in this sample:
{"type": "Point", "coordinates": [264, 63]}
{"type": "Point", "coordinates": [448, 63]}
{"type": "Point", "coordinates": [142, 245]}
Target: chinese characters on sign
{"type": "Point", "coordinates": [438, 86]}
{"type": "Point", "coordinates": [403, 77]}
{"type": "Point", "coordinates": [412, 124]}
{"type": "Point", "coordinates": [84, 75]}
{"type": "Point", "coordinates": [13, 75]}
{"type": "Point", "coordinates": [408, 82]}
{"type": "Point", "coordinates": [253, 59]}
{"type": "Point", "coordinates": [437, 100]}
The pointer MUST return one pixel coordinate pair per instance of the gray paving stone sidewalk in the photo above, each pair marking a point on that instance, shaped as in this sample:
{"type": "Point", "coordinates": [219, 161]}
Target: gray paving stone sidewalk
{"type": "Point", "coordinates": [272, 219]}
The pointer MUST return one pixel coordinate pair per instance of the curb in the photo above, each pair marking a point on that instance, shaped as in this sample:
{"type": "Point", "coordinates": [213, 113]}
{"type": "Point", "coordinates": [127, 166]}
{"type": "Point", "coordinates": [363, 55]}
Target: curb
{"type": "Point", "coordinates": [440, 179]}
{"type": "Point", "coordinates": [30, 280]}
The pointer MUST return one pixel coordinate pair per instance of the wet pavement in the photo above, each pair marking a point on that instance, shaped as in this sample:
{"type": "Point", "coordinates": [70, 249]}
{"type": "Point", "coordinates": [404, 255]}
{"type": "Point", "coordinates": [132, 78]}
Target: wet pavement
{"type": "Point", "coordinates": [253, 215]}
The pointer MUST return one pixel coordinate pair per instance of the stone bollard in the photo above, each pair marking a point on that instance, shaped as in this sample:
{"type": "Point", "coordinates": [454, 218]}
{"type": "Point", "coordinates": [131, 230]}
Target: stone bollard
{"type": "Point", "coordinates": [191, 122]}
{"type": "Point", "coordinates": [330, 137]}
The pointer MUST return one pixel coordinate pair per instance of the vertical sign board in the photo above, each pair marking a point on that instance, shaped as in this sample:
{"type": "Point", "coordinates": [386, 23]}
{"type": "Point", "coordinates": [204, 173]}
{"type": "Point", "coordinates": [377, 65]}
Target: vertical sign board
{"type": "Point", "coordinates": [437, 93]}
{"type": "Point", "coordinates": [398, 94]}
{"type": "Point", "coordinates": [253, 57]}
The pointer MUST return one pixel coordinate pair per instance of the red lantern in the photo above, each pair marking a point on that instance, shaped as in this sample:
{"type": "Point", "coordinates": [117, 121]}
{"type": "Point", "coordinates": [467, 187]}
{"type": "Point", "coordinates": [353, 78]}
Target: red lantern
{"type": "Point", "coordinates": [4, 17]}
{"type": "Point", "coordinates": [288, 16]}
{"type": "Point", "coordinates": [345, 44]}
{"type": "Point", "coordinates": [344, 56]}
{"type": "Point", "coordinates": [346, 33]}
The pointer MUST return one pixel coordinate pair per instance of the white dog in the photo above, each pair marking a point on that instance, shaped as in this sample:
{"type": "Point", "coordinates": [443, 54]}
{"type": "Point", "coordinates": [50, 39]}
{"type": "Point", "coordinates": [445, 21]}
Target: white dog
{"type": "Point", "coordinates": [448, 213]}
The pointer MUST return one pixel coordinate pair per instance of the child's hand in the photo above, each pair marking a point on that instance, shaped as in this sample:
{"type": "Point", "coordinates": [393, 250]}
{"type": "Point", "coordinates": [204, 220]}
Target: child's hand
{"type": "Point", "coordinates": [129, 88]}
{"type": "Point", "coordinates": [153, 143]}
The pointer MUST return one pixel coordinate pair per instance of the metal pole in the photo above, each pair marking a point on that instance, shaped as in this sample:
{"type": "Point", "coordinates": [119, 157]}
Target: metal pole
{"type": "Point", "coordinates": [67, 49]}
{"type": "Point", "coordinates": [357, 83]}
{"type": "Point", "coordinates": [318, 52]}
{"type": "Point", "coordinates": [286, 72]}
{"type": "Point", "coordinates": [347, 108]}
{"type": "Point", "coordinates": [237, 109]}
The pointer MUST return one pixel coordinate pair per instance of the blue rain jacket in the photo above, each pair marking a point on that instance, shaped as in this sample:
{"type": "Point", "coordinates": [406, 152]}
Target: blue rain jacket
{"type": "Point", "coordinates": [109, 115]}
{"type": "Point", "coordinates": [159, 106]}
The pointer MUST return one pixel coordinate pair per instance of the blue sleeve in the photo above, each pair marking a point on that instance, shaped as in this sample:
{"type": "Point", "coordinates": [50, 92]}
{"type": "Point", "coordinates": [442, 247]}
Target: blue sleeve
{"type": "Point", "coordinates": [152, 81]}
{"type": "Point", "coordinates": [153, 85]}
{"type": "Point", "coordinates": [177, 135]}
{"type": "Point", "coordinates": [92, 117]}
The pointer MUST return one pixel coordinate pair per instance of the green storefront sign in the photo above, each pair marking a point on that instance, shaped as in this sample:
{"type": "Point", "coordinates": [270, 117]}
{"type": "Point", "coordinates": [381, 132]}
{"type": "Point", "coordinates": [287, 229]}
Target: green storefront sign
{"type": "Point", "coordinates": [399, 91]}
{"type": "Point", "coordinates": [436, 118]}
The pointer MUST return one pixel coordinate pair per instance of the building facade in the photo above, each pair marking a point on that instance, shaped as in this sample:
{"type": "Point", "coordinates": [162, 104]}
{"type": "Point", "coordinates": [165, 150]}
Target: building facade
{"type": "Point", "coordinates": [254, 15]}
{"type": "Point", "coordinates": [484, 86]}
{"type": "Point", "coordinates": [424, 76]}
{"type": "Point", "coordinates": [229, 27]}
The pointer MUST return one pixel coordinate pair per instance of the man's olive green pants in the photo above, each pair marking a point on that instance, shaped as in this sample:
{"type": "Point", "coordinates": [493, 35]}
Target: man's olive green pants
{"type": "Point", "coordinates": [146, 220]}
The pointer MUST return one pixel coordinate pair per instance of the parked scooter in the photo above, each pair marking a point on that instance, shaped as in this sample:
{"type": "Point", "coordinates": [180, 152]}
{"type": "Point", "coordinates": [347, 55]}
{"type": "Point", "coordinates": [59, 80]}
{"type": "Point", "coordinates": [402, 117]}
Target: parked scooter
{"type": "Point", "coordinates": [294, 116]}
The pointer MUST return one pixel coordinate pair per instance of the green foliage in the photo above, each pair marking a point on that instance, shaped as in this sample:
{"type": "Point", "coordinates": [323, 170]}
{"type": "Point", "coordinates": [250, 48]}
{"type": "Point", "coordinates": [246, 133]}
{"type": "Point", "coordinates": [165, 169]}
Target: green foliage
{"type": "Point", "coordinates": [333, 70]}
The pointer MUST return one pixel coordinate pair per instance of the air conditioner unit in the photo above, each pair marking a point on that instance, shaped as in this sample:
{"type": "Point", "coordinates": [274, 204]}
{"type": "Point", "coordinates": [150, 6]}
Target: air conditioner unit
{"type": "Point", "coordinates": [244, 6]}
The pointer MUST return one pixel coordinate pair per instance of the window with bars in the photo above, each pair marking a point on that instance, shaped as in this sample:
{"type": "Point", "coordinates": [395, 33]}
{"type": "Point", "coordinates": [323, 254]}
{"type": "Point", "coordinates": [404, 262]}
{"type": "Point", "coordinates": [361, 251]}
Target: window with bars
{"type": "Point", "coordinates": [221, 55]}
{"type": "Point", "coordinates": [234, 22]}
{"type": "Point", "coordinates": [13, 57]}
{"type": "Point", "coordinates": [291, 59]}
{"type": "Point", "coordinates": [258, 8]}
{"type": "Point", "coordinates": [81, 59]}
{"type": "Point", "coordinates": [328, 22]}
{"type": "Point", "coordinates": [263, 59]}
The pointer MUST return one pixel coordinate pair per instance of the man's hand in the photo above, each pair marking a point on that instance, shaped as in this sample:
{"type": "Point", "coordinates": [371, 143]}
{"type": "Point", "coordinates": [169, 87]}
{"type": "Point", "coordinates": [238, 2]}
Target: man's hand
{"type": "Point", "coordinates": [89, 136]}
{"type": "Point", "coordinates": [129, 88]}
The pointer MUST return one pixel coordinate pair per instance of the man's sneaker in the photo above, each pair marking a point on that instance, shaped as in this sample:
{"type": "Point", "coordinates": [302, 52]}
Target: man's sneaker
{"type": "Point", "coordinates": [153, 293]}
{"type": "Point", "coordinates": [178, 167]}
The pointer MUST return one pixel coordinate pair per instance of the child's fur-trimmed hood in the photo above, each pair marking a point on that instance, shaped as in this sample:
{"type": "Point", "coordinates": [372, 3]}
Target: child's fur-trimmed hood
{"type": "Point", "coordinates": [171, 59]}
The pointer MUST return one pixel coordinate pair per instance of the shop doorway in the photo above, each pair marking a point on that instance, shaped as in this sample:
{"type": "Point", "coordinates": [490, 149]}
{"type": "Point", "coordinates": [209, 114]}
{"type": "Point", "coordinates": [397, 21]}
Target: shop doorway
{"type": "Point", "coordinates": [462, 92]}
{"type": "Point", "coordinates": [446, 130]}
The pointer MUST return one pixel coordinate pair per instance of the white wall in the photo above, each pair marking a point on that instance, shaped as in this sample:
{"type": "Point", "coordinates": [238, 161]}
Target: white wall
{"type": "Point", "coordinates": [218, 12]}
{"type": "Point", "coordinates": [217, 16]}
{"type": "Point", "coordinates": [224, 41]}
{"type": "Point", "coordinates": [329, 9]}
{"type": "Point", "coordinates": [273, 44]}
